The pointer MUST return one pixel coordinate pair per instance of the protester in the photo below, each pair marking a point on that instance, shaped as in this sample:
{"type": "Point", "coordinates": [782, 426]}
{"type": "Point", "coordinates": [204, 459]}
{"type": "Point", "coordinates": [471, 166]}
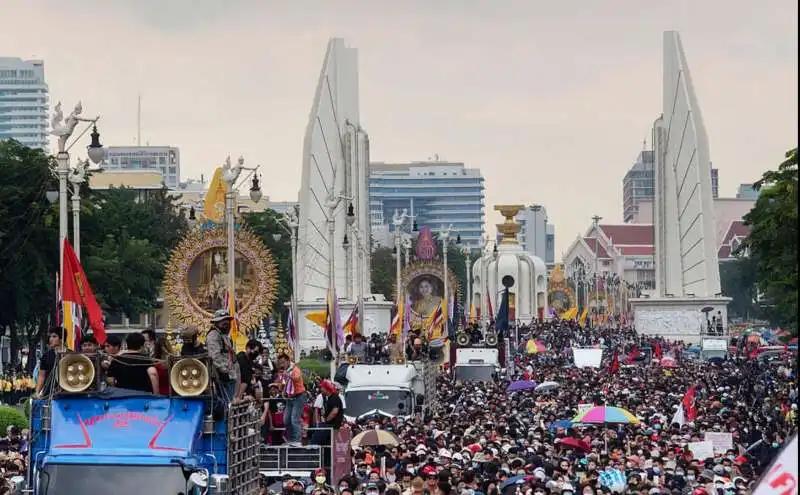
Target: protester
{"type": "Point", "coordinates": [221, 351]}
{"type": "Point", "coordinates": [478, 436]}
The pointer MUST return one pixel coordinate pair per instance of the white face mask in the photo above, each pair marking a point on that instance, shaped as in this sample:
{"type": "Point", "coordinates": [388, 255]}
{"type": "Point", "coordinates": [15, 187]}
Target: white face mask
{"type": "Point", "coordinates": [320, 480]}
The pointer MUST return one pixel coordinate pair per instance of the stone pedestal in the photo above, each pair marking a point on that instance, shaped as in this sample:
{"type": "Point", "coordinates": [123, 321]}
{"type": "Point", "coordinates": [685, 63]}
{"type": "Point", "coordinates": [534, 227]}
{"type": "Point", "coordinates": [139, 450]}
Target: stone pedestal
{"type": "Point", "coordinates": [377, 319]}
{"type": "Point", "coordinates": [677, 318]}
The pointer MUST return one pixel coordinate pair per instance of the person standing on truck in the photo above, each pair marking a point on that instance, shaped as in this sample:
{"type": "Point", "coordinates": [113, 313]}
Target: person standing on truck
{"type": "Point", "coordinates": [295, 392]}
{"type": "Point", "coordinates": [133, 369]}
{"type": "Point", "coordinates": [44, 381]}
{"type": "Point", "coordinates": [221, 351]}
{"type": "Point", "coordinates": [246, 360]}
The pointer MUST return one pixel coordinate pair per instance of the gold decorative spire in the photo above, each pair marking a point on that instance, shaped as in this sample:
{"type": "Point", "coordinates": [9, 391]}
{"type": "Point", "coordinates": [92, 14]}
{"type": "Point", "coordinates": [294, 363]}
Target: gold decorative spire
{"type": "Point", "coordinates": [510, 227]}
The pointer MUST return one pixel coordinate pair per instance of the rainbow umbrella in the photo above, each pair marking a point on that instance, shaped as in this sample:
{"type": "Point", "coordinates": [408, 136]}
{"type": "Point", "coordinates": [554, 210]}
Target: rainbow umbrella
{"type": "Point", "coordinates": [606, 414]}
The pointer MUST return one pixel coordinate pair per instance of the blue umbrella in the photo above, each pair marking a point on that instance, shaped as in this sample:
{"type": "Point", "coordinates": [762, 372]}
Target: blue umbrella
{"type": "Point", "coordinates": [515, 480]}
{"type": "Point", "coordinates": [520, 385]}
{"type": "Point", "coordinates": [561, 423]}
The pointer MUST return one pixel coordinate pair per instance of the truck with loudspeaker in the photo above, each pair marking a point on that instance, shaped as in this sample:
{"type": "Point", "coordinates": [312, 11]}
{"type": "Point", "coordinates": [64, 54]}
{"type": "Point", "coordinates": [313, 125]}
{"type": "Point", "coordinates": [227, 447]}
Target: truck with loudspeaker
{"type": "Point", "coordinates": [92, 438]}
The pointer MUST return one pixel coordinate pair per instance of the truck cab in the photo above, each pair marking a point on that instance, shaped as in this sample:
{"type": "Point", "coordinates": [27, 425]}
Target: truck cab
{"type": "Point", "coordinates": [392, 390]}
{"type": "Point", "coordinates": [476, 364]}
{"type": "Point", "coordinates": [89, 438]}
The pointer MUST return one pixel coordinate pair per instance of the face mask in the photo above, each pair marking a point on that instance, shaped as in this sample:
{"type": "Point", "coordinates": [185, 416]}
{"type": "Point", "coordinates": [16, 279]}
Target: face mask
{"type": "Point", "coordinates": [774, 445]}
{"type": "Point", "coordinates": [391, 478]}
{"type": "Point", "coordinates": [690, 477]}
{"type": "Point", "coordinates": [343, 488]}
{"type": "Point", "coordinates": [320, 480]}
{"type": "Point", "coordinates": [372, 492]}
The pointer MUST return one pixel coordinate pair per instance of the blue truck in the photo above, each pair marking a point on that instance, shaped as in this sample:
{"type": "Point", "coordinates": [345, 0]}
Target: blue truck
{"type": "Point", "coordinates": [88, 438]}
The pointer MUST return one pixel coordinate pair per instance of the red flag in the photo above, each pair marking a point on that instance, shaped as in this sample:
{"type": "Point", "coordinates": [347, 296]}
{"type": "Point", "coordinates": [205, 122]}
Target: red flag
{"type": "Point", "coordinates": [76, 292]}
{"type": "Point", "coordinates": [614, 366]}
{"type": "Point", "coordinates": [688, 402]}
{"type": "Point", "coordinates": [633, 355]}
{"type": "Point", "coordinates": [657, 351]}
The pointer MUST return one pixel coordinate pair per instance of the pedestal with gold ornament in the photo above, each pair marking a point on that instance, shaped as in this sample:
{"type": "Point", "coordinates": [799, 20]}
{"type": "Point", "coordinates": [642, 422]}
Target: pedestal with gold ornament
{"type": "Point", "coordinates": [196, 279]}
{"type": "Point", "coordinates": [281, 344]}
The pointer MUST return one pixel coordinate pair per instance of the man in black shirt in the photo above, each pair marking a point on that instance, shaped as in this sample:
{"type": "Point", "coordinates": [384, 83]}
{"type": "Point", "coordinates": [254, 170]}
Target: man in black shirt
{"type": "Point", "coordinates": [245, 359]}
{"type": "Point", "coordinates": [46, 378]}
{"type": "Point", "coordinates": [133, 369]}
{"type": "Point", "coordinates": [332, 413]}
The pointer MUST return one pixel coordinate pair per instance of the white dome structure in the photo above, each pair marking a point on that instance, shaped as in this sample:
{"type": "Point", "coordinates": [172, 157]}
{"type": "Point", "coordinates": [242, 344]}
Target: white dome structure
{"type": "Point", "coordinates": [527, 275]}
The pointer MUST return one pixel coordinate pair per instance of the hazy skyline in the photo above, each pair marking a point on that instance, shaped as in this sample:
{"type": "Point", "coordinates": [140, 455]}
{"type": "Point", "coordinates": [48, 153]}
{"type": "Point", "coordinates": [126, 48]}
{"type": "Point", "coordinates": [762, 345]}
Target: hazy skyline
{"type": "Point", "coordinates": [551, 101]}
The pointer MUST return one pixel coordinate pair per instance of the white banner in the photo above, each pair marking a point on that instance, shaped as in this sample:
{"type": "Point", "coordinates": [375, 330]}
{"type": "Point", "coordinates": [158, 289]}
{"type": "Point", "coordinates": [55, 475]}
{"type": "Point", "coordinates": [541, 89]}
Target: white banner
{"type": "Point", "coordinates": [722, 441]}
{"type": "Point", "coordinates": [781, 478]}
{"type": "Point", "coordinates": [702, 450]}
{"type": "Point", "coordinates": [587, 358]}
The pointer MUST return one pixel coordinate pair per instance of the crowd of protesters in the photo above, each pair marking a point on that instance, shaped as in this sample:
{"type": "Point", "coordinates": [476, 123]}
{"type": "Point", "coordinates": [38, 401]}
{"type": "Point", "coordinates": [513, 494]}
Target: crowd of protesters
{"type": "Point", "coordinates": [481, 439]}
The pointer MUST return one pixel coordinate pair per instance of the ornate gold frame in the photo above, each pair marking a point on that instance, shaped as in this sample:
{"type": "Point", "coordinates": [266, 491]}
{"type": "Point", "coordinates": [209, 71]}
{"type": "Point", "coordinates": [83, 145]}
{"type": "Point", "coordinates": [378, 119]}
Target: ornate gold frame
{"type": "Point", "coordinates": [176, 284]}
{"type": "Point", "coordinates": [431, 268]}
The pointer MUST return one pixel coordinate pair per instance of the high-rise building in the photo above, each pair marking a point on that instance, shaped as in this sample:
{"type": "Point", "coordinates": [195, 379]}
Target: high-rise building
{"type": "Point", "coordinates": [747, 191]}
{"type": "Point", "coordinates": [536, 235]}
{"type": "Point", "coordinates": [435, 194]}
{"type": "Point", "coordinates": [24, 102]}
{"type": "Point", "coordinates": [165, 159]}
{"type": "Point", "coordinates": [639, 185]}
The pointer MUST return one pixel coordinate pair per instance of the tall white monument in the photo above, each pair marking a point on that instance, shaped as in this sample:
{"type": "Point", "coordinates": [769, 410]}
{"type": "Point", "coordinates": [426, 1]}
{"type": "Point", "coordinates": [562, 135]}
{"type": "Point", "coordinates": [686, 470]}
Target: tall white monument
{"type": "Point", "coordinates": [687, 296]}
{"type": "Point", "coordinates": [335, 175]}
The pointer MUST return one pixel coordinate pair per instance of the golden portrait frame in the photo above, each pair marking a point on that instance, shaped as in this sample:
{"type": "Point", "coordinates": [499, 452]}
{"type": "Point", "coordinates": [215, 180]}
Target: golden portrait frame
{"type": "Point", "coordinates": [432, 269]}
{"type": "Point", "coordinates": [177, 293]}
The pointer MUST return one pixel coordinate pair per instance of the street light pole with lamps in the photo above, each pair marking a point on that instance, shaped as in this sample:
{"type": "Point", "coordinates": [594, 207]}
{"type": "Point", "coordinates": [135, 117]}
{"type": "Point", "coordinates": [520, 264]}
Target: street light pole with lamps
{"type": "Point", "coordinates": [360, 248]}
{"type": "Point", "coordinates": [444, 235]}
{"type": "Point", "coordinates": [398, 219]}
{"type": "Point", "coordinates": [468, 273]}
{"type": "Point", "coordinates": [596, 222]}
{"type": "Point", "coordinates": [230, 174]}
{"type": "Point", "coordinates": [63, 129]}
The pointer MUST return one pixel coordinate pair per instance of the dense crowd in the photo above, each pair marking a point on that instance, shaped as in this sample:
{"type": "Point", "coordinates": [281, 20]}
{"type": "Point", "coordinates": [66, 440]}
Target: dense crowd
{"type": "Point", "coordinates": [482, 439]}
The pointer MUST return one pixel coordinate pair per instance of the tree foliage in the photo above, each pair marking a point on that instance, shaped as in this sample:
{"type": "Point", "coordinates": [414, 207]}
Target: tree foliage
{"type": "Point", "coordinates": [28, 241]}
{"type": "Point", "coordinates": [125, 239]}
{"type": "Point", "coordinates": [773, 243]}
{"type": "Point", "coordinates": [738, 281]}
{"type": "Point", "coordinates": [272, 230]}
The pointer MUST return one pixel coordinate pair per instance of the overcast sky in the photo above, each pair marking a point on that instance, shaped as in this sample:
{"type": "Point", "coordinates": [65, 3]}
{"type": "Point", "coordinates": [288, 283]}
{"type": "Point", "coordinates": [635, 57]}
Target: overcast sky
{"type": "Point", "coordinates": [551, 100]}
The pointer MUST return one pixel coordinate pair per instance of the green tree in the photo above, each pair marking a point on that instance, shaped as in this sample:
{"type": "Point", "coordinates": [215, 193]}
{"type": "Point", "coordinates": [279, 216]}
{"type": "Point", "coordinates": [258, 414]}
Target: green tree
{"type": "Point", "coordinates": [28, 242]}
{"type": "Point", "coordinates": [738, 281]}
{"type": "Point", "coordinates": [383, 272]}
{"type": "Point", "coordinates": [272, 230]}
{"type": "Point", "coordinates": [127, 237]}
{"type": "Point", "coordinates": [773, 243]}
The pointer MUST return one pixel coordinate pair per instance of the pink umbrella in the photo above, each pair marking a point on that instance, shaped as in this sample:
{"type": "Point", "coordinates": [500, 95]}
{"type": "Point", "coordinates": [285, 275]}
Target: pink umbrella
{"type": "Point", "coordinates": [668, 362]}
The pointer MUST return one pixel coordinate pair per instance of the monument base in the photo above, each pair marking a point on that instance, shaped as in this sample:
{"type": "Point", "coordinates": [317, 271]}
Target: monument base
{"type": "Point", "coordinates": [377, 319]}
{"type": "Point", "coordinates": [678, 318]}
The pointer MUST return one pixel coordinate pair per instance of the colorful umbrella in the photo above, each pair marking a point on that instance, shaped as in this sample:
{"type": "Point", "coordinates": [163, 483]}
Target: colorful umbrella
{"type": "Point", "coordinates": [668, 362]}
{"type": "Point", "coordinates": [521, 385]}
{"type": "Point", "coordinates": [534, 347]}
{"type": "Point", "coordinates": [606, 414]}
{"type": "Point", "coordinates": [561, 423]}
{"type": "Point", "coordinates": [374, 437]}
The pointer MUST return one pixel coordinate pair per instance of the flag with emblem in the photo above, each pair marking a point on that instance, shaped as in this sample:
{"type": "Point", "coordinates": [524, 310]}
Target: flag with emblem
{"type": "Point", "coordinates": [435, 322]}
{"type": "Point", "coordinates": [76, 295]}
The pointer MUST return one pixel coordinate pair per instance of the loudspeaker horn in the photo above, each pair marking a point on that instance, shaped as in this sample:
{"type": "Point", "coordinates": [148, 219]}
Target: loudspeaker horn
{"type": "Point", "coordinates": [462, 339]}
{"type": "Point", "coordinates": [189, 377]}
{"type": "Point", "coordinates": [75, 372]}
{"type": "Point", "coordinates": [491, 339]}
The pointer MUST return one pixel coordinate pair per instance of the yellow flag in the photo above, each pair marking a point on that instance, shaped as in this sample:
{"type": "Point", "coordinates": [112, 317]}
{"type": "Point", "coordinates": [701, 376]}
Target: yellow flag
{"type": "Point", "coordinates": [319, 318]}
{"type": "Point", "coordinates": [214, 205]}
{"type": "Point", "coordinates": [584, 315]}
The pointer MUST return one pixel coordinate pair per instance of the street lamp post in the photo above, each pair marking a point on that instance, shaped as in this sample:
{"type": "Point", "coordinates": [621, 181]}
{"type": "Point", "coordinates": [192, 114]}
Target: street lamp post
{"type": "Point", "coordinates": [332, 202]}
{"type": "Point", "coordinates": [398, 219]}
{"type": "Point", "coordinates": [596, 221]}
{"type": "Point", "coordinates": [291, 219]}
{"type": "Point", "coordinates": [468, 272]}
{"type": "Point", "coordinates": [230, 174]}
{"type": "Point", "coordinates": [444, 234]}
{"type": "Point", "coordinates": [63, 129]}
{"type": "Point", "coordinates": [360, 248]}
